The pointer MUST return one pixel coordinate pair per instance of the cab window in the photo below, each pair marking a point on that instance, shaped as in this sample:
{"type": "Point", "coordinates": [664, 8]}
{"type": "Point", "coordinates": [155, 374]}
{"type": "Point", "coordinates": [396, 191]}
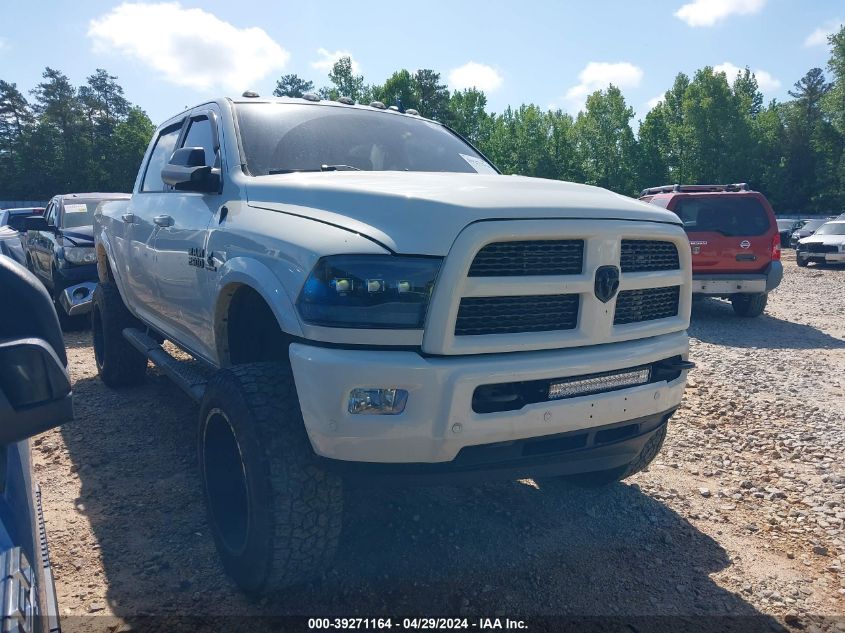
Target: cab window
{"type": "Point", "coordinates": [159, 157]}
{"type": "Point", "coordinates": [200, 135]}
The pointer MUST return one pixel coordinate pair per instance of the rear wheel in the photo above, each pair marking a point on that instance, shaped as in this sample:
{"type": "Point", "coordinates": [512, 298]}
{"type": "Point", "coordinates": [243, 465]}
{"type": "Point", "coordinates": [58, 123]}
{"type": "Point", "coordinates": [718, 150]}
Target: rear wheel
{"type": "Point", "coordinates": [275, 513]}
{"type": "Point", "coordinates": [749, 305]}
{"type": "Point", "coordinates": [118, 363]}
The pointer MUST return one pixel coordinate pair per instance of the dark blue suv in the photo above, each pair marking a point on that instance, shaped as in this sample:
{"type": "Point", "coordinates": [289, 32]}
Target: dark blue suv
{"type": "Point", "coordinates": [35, 395]}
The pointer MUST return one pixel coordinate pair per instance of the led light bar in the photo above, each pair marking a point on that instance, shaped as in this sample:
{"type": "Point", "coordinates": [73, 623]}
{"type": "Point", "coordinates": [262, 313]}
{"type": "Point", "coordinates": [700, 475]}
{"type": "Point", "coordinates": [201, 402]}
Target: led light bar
{"type": "Point", "coordinates": [596, 384]}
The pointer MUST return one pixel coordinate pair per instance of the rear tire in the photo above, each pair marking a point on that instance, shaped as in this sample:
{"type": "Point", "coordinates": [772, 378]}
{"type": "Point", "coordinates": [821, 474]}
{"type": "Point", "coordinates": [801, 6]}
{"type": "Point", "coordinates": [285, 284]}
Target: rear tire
{"type": "Point", "coordinates": [602, 478]}
{"type": "Point", "coordinates": [750, 305]}
{"type": "Point", "coordinates": [275, 513]}
{"type": "Point", "coordinates": [118, 363]}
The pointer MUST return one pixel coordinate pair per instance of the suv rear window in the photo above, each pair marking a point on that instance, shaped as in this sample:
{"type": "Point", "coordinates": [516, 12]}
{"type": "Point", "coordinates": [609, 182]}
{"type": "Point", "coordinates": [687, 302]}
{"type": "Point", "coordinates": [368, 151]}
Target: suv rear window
{"type": "Point", "coordinates": [728, 215]}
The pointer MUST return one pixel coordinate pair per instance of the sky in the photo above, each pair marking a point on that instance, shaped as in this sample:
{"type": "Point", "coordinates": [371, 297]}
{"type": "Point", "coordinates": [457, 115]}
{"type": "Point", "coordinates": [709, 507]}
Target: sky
{"type": "Point", "coordinates": [170, 55]}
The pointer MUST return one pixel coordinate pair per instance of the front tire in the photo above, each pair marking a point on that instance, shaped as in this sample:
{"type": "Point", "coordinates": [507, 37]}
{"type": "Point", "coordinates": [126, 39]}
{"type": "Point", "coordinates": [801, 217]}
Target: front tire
{"type": "Point", "coordinates": [118, 363]}
{"type": "Point", "coordinates": [602, 478]}
{"type": "Point", "coordinates": [749, 305]}
{"type": "Point", "coordinates": [275, 513]}
{"type": "Point", "coordinates": [802, 263]}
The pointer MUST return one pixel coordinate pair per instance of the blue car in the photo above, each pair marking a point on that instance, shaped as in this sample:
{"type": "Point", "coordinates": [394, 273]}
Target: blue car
{"type": "Point", "coordinates": [35, 395]}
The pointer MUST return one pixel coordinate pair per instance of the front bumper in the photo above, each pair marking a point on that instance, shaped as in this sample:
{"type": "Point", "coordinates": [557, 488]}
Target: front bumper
{"type": "Point", "coordinates": [830, 258]}
{"type": "Point", "coordinates": [439, 421]}
{"type": "Point", "coordinates": [725, 284]}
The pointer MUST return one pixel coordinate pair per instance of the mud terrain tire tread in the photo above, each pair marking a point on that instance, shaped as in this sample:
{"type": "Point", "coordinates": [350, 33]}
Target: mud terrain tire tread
{"type": "Point", "coordinates": [303, 501]}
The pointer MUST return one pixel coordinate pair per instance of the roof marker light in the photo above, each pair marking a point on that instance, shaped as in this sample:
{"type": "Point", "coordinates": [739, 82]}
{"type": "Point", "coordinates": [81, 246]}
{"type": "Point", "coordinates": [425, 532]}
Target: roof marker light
{"type": "Point", "coordinates": [412, 112]}
{"type": "Point", "coordinates": [346, 101]}
{"type": "Point", "coordinates": [378, 104]}
{"type": "Point", "coordinates": [250, 94]}
{"type": "Point", "coordinates": [310, 96]}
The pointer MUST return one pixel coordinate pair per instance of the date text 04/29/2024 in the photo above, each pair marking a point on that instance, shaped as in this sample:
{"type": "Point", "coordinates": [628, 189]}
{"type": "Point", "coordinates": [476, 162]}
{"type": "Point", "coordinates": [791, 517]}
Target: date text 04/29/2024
{"type": "Point", "coordinates": [481, 624]}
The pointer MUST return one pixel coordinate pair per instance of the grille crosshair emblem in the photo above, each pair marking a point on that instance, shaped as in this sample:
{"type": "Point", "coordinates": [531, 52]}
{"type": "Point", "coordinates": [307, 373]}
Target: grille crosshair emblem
{"type": "Point", "coordinates": [745, 244]}
{"type": "Point", "coordinates": [607, 283]}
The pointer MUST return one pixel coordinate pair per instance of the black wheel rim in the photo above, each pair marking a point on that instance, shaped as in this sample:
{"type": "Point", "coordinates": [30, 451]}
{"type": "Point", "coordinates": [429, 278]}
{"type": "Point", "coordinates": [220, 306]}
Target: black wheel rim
{"type": "Point", "coordinates": [97, 334]}
{"type": "Point", "coordinates": [225, 482]}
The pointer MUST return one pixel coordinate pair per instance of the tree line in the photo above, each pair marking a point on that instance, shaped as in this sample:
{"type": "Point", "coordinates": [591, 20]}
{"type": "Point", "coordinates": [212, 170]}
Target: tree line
{"type": "Point", "coordinates": [707, 128]}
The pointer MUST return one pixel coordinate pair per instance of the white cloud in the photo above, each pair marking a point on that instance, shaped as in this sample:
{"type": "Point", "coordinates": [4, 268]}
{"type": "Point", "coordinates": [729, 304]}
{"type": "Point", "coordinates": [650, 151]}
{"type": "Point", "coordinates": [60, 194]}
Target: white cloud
{"type": "Point", "coordinates": [597, 76]}
{"type": "Point", "coordinates": [709, 12]}
{"type": "Point", "coordinates": [329, 58]}
{"type": "Point", "coordinates": [820, 35]}
{"type": "Point", "coordinates": [475, 75]}
{"type": "Point", "coordinates": [188, 47]}
{"type": "Point", "coordinates": [4, 43]}
{"type": "Point", "coordinates": [765, 80]}
{"type": "Point", "coordinates": [652, 103]}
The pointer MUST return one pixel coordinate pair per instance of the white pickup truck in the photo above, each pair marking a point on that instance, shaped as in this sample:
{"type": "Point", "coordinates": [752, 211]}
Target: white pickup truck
{"type": "Point", "coordinates": [368, 300]}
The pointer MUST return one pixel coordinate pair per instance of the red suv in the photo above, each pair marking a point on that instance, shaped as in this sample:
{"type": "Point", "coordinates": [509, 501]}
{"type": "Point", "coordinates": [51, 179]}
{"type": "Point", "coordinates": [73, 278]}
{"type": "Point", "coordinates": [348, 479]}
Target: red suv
{"type": "Point", "coordinates": [734, 241]}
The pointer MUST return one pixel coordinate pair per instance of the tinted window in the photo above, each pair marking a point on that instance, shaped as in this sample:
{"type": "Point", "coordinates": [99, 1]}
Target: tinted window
{"type": "Point", "coordinates": [50, 216]}
{"type": "Point", "coordinates": [812, 225]}
{"type": "Point", "coordinates": [728, 215]}
{"type": "Point", "coordinates": [281, 138]}
{"type": "Point", "coordinates": [162, 151]}
{"type": "Point", "coordinates": [199, 135]}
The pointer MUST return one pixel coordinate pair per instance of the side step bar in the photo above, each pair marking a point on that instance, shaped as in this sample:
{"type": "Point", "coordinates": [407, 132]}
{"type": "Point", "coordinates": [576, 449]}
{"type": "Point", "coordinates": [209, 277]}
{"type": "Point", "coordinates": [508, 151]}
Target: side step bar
{"type": "Point", "coordinates": [186, 377]}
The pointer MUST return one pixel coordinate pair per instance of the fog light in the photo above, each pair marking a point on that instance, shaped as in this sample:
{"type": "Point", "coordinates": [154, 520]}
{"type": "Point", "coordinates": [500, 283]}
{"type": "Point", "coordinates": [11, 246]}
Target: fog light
{"type": "Point", "coordinates": [580, 387]}
{"type": "Point", "coordinates": [377, 401]}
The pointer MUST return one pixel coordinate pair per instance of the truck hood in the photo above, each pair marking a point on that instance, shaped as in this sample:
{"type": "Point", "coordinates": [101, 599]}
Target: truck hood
{"type": "Point", "coordinates": [422, 213]}
{"type": "Point", "coordinates": [824, 239]}
{"type": "Point", "coordinates": [79, 235]}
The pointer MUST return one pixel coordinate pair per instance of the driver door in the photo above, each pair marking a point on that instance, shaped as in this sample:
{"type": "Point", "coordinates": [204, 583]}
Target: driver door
{"type": "Point", "coordinates": [184, 271]}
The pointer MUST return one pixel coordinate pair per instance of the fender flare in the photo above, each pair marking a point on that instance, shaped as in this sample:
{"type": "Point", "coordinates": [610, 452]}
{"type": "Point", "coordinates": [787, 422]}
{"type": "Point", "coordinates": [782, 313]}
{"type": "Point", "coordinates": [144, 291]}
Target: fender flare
{"type": "Point", "coordinates": [243, 271]}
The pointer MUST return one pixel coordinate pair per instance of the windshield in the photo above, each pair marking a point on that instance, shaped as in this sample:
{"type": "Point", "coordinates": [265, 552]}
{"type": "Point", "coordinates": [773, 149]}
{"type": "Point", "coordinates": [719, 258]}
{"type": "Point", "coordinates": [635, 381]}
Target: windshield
{"type": "Point", "coordinates": [812, 225]}
{"type": "Point", "coordinates": [80, 213]}
{"type": "Point", "coordinates": [784, 225]}
{"type": "Point", "coordinates": [728, 215]}
{"type": "Point", "coordinates": [832, 228]}
{"type": "Point", "coordinates": [289, 137]}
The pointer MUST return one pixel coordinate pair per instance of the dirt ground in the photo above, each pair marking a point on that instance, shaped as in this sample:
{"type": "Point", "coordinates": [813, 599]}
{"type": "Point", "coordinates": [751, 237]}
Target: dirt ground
{"type": "Point", "coordinates": [742, 514]}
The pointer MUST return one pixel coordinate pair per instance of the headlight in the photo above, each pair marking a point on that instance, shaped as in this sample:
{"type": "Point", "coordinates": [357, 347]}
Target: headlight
{"type": "Point", "coordinates": [80, 254]}
{"type": "Point", "coordinates": [369, 291]}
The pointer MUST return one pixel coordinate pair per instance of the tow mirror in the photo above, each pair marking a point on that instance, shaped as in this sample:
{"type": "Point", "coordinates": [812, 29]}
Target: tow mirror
{"type": "Point", "coordinates": [187, 171]}
{"type": "Point", "coordinates": [35, 392]}
{"type": "Point", "coordinates": [36, 223]}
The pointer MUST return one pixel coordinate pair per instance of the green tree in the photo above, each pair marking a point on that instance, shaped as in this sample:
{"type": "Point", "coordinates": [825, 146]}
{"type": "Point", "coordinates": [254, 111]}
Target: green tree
{"type": "Point", "coordinates": [131, 137]}
{"type": "Point", "coordinates": [345, 83]}
{"type": "Point", "coordinates": [399, 88]}
{"type": "Point", "coordinates": [16, 119]}
{"type": "Point", "coordinates": [604, 142]}
{"type": "Point", "coordinates": [292, 86]}
{"type": "Point", "coordinates": [432, 96]}
{"type": "Point", "coordinates": [469, 116]}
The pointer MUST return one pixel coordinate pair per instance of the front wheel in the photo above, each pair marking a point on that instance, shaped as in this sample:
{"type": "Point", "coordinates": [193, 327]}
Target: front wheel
{"type": "Point", "coordinates": [275, 513]}
{"type": "Point", "coordinates": [602, 478]}
{"type": "Point", "coordinates": [118, 363]}
{"type": "Point", "coordinates": [802, 263]}
{"type": "Point", "coordinates": [749, 305]}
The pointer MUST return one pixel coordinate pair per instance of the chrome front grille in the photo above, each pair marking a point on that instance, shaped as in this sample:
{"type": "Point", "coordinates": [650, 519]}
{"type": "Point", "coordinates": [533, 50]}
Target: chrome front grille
{"type": "Point", "coordinates": [512, 315]}
{"type": "Point", "coordinates": [648, 255]}
{"type": "Point", "coordinates": [636, 306]}
{"type": "Point", "coordinates": [530, 257]}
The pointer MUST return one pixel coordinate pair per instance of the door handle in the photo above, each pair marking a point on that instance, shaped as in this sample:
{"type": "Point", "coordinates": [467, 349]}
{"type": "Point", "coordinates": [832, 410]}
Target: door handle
{"type": "Point", "coordinates": [163, 220]}
{"type": "Point", "coordinates": [129, 218]}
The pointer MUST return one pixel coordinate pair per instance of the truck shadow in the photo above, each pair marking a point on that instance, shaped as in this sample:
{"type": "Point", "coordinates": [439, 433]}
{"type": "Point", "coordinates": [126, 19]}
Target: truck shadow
{"type": "Point", "coordinates": [713, 321]}
{"type": "Point", "coordinates": [497, 550]}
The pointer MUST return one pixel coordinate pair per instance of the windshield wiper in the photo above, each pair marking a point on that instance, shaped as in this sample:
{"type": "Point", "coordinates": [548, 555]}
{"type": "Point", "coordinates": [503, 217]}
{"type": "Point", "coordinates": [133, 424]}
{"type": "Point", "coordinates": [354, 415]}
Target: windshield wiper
{"type": "Point", "coordinates": [273, 172]}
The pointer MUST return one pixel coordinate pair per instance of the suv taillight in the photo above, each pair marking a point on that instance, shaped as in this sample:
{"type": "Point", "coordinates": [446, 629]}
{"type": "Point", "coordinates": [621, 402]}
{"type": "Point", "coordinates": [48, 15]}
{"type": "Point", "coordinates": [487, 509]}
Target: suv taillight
{"type": "Point", "coordinates": [776, 247]}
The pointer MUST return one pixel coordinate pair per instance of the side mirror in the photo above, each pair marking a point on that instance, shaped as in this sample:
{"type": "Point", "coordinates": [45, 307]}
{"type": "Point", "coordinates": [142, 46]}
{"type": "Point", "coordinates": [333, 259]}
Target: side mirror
{"type": "Point", "coordinates": [35, 392]}
{"type": "Point", "coordinates": [187, 171]}
{"type": "Point", "coordinates": [36, 223]}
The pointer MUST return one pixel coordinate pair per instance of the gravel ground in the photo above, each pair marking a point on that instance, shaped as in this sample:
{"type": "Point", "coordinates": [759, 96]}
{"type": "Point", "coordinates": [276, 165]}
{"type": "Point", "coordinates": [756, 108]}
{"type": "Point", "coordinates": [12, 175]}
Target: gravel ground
{"type": "Point", "coordinates": [742, 514]}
